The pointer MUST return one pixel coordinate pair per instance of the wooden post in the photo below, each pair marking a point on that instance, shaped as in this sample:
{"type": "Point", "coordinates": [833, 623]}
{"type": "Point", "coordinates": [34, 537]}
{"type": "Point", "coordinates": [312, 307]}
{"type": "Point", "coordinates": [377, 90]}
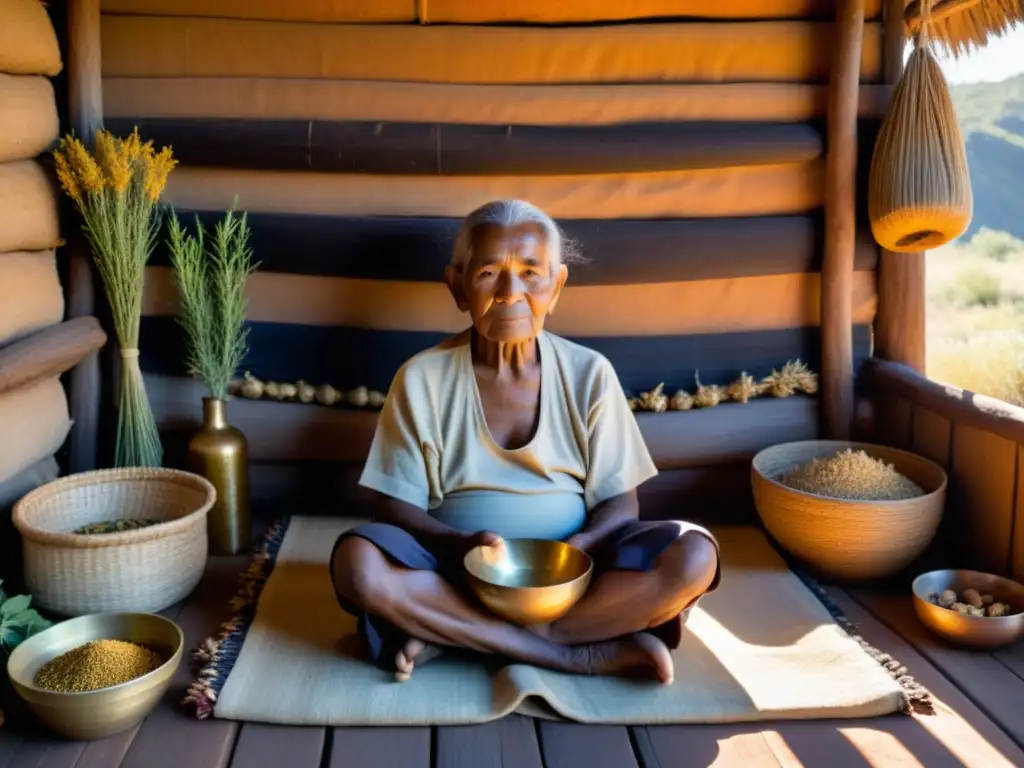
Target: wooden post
{"type": "Point", "coordinates": [85, 109]}
{"type": "Point", "coordinates": [900, 322]}
{"type": "Point", "coordinates": [837, 406]}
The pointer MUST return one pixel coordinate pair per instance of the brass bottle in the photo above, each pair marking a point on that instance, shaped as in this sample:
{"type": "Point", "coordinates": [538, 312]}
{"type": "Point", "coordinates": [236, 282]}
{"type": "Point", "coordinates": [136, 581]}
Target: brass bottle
{"type": "Point", "coordinates": [220, 453]}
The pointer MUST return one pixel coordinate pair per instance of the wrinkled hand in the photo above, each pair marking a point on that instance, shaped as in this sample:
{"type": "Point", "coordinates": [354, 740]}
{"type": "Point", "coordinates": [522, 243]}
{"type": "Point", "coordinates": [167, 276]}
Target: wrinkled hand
{"type": "Point", "coordinates": [485, 539]}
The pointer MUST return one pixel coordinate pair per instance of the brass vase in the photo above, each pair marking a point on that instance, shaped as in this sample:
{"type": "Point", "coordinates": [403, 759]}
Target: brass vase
{"type": "Point", "coordinates": [220, 453]}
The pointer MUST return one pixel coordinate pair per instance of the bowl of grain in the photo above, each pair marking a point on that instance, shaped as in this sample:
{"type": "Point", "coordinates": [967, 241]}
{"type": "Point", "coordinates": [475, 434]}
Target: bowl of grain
{"type": "Point", "coordinates": [96, 675]}
{"type": "Point", "coordinates": [851, 511]}
{"type": "Point", "coordinates": [970, 608]}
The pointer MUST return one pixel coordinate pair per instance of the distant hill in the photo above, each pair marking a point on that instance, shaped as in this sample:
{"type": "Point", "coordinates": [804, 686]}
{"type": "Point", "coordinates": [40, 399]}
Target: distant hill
{"type": "Point", "coordinates": [992, 117]}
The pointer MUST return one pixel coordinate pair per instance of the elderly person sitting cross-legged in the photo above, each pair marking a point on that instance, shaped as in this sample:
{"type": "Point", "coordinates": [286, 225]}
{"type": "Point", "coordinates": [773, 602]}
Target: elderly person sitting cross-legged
{"type": "Point", "coordinates": [507, 430]}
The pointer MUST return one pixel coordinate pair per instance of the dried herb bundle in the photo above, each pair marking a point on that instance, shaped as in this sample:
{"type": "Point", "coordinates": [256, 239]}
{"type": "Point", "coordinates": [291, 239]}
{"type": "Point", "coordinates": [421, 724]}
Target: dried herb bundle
{"type": "Point", "coordinates": [117, 190]}
{"type": "Point", "coordinates": [211, 279]}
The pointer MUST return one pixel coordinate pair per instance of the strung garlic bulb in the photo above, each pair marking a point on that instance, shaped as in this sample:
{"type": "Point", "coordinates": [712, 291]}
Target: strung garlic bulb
{"type": "Point", "coordinates": [779, 383]}
{"type": "Point", "coordinates": [289, 391]}
{"type": "Point", "coordinates": [681, 401]}
{"type": "Point", "coordinates": [655, 400]}
{"type": "Point", "coordinates": [634, 403]}
{"type": "Point", "coordinates": [272, 389]}
{"type": "Point", "coordinates": [743, 388]}
{"type": "Point", "coordinates": [327, 395]}
{"type": "Point", "coordinates": [306, 391]}
{"type": "Point", "coordinates": [708, 396]}
{"type": "Point", "coordinates": [359, 397]}
{"type": "Point", "coordinates": [803, 378]}
{"type": "Point", "coordinates": [375, 399]}
{"type": "Point", "coordinates": [251, 387]}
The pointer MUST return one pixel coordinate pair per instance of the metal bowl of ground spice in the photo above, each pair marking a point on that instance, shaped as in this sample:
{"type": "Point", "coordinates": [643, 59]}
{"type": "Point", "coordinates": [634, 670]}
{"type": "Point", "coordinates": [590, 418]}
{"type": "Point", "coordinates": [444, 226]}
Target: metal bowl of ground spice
{"type": "Point", "coordinates": [96, 675]}
{"type": "Point", "coordinates": [851, 511]}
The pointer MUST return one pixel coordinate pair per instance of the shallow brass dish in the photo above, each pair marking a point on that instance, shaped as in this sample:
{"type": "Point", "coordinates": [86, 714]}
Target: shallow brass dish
{"type": "Point", "coordinates": [529, 581]}
{"type": "Point", "coordinates": [970, 631]}
{"type": "Point", "coordinates": [96, 714]}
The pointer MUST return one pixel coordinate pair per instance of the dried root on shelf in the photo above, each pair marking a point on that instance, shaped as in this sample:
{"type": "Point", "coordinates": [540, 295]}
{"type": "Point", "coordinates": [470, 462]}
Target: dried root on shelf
{"type": "Point", "coordinates": [328, 395]}
{"type": "Point", "coordinates": [306, 391]}
{"type": "Point", "coordinates": [251, 387]}
{"type": "Point", "coordinates": [302, 391]}
{"type": "Point", "coordinates": [792, 378]}
{"type": "Point", "coordinates": [744, 388]}
{"type": "Point", "coordinates": [708, 395]}
{"type": "Point", "coordinates": [681, 401]}
{"type": "Point", "coordinates": [655, 400]}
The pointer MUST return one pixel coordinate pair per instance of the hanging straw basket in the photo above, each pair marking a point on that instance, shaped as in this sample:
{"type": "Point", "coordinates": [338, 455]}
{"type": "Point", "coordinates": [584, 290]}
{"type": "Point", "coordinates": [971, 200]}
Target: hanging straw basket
{"type": "Point", "coordinates": [919, 190]}
{"type": "Point", "coordinates": [146, 569]}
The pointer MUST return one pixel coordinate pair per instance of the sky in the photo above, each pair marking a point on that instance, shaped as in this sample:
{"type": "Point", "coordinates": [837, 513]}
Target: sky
{"type": "Point", "coordinates": [1001, 58]}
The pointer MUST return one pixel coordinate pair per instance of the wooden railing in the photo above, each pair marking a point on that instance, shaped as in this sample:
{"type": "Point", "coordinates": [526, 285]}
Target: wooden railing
{"type": "Point", "coordinates": [977, 440]}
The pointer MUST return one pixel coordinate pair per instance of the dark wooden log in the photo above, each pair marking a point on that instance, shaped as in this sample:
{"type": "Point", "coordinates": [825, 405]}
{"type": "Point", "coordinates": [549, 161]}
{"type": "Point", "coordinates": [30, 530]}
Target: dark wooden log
{"type": "Point", "coordinates": [616, 251]}
{"type": "Point", "coordinates": [285, 352]}
{"type": "Point", "coordinates": [85, 97]}
{"type": "Point", "coordinates": [840, 225]}
{"type": "Point", "coordinates": [725, 434]}
{"type": "Point", "coordinates": [49, 352]}
{"type": "Point", "coordinates": [426, 148]}
{"type": "Point", "coordinates": [900, 325]}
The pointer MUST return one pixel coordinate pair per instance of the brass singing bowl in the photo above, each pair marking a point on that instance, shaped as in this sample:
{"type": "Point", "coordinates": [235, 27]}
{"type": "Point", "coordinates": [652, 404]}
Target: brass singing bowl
{"type": "Point", "coordinates": [100, 713]}
{"type": "Point", "coordinates": [529, 581]}
{"type": "Point", "coordinates": [970, 631]}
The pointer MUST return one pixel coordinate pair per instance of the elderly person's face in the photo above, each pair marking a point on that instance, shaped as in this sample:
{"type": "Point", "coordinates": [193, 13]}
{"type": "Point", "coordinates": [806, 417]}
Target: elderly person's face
{"type": "Point", "coordinates": [510, 284]}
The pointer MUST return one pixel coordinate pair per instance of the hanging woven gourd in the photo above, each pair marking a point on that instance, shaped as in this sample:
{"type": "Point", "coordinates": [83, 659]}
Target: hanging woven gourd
{"type": "Point", "coordinates": [919, 190]}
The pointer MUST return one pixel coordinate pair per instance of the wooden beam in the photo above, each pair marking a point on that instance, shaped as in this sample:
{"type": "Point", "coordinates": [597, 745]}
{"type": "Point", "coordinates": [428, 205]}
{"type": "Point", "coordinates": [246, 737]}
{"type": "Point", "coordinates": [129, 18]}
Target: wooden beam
{"type": "Point", "coordinates": [961, 407]}
{"type": "Point", "coordinates": [900, 321]}
{"type": "Point", "coordinates": [287, 431]}
{"type": "Point", "coordinates": [50, 352]}
{"type": "Point", "coordinates": [85, 108]}
{"type": "Point", "coordinates": [840, 225]}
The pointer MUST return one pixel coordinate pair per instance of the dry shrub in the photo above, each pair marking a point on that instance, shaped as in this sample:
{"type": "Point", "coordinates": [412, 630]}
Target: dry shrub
{"type": "Point", "coordinates": [988, 364]}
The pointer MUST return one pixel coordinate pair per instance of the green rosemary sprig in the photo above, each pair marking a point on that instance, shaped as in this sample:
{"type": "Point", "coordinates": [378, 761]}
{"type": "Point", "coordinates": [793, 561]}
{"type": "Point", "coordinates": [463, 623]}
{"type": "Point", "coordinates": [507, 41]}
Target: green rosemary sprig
{"type": "Point", "coordinates": [211, 276]}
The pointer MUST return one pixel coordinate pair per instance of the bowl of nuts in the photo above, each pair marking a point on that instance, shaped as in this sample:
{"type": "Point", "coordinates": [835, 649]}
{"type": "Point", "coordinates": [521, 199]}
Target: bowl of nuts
{"type": "Point", "coordinates": [970, 608]}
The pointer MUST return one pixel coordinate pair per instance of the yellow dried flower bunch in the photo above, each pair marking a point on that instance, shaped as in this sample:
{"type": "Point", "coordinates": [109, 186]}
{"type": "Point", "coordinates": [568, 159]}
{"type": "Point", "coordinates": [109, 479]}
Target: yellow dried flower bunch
{"type": "Point", "coordinates": [116, 165]}
{"type": "Point", "coordinates": [117, 188]}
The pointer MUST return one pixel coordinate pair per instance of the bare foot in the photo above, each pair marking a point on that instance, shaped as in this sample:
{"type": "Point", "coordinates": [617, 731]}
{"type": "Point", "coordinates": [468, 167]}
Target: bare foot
{"type": "Point", "coordinates": [641, 653]}
{"type": "Point", "coordinates": [414, 652]}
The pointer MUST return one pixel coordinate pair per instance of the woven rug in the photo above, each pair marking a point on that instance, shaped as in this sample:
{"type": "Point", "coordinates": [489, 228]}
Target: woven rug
{"type": "Point", "coordinates": [761, 647]}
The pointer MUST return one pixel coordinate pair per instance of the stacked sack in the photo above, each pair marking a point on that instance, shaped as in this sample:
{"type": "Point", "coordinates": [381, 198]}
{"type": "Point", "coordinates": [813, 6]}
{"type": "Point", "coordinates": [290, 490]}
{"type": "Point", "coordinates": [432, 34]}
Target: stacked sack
{"type": "Point", "coordinates": [35, 345]}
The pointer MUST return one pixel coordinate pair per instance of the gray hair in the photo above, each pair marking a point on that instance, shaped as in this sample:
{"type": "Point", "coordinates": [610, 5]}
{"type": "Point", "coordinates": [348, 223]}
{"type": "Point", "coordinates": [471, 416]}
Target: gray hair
{"type": "Point", "coordinates": [508, 214]}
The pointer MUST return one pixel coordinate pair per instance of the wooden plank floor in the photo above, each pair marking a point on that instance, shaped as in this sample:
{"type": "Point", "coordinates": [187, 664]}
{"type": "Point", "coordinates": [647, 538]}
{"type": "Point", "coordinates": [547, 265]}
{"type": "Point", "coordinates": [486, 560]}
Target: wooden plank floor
{"type": "Point", "coordinates": [977, 723]}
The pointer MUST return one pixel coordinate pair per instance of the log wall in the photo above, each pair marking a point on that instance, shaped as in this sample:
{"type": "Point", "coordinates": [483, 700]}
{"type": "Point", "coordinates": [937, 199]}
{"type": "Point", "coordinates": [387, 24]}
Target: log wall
{"type": "Point", "coordinates": [37, 346]}
{"type": "Point", "coordinates": [681, 146]}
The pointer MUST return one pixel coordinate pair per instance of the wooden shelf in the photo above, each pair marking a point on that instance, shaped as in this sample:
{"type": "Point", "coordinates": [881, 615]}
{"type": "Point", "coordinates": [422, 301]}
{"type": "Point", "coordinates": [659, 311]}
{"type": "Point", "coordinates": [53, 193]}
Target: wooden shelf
{"type": "Point", "coordinates": [276, 431]}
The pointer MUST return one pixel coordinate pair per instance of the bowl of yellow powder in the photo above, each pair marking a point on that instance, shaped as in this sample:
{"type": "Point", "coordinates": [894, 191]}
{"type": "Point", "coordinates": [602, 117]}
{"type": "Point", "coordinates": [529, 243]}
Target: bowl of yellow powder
{"type": "Point", "coordinates": [851, 511]}
{"type": "Point", "coordinates": [96, 675]}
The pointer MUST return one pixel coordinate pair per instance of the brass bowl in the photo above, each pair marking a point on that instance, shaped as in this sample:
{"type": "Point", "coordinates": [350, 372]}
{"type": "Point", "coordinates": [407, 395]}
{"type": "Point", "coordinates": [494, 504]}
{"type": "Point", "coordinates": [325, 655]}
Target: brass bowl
{"type": "Point", "coordinates": [970, 631]}
{"type": "Point", "coordinates": [100, 713]}
{"type": "Point", "coordinates": [529, 581]}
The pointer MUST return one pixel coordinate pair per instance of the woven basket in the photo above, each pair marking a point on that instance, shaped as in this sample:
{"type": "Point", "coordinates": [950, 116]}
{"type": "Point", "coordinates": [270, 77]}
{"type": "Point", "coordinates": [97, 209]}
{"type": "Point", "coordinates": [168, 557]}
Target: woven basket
{"type": "Point", "coordinates": [847, 539]}
{"type": "Point", "coordinates": [146, 569]}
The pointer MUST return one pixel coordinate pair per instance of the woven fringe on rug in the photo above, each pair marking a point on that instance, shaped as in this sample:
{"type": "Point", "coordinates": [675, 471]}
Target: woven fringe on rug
{"type": "Point", "coordinates": [217, 655]}
{"type": "Point", "coordinates": [916, 698]}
